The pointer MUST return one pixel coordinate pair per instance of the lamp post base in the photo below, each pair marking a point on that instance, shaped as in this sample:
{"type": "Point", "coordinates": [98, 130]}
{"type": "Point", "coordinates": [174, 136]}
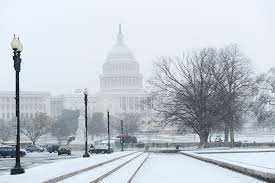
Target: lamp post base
{"type": "Point", "coordinates": [17, 170]}
{"type": "Point", "coordinates": [86, 155]}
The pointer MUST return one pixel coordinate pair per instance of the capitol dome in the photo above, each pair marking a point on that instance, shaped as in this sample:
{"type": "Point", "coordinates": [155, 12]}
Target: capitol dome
{"type": "Point", "coordinates": [120, 51]}
{"type": "Point", "coordinates": [121, 70]}
{"type": "Point", "coordinates": [121, 83]}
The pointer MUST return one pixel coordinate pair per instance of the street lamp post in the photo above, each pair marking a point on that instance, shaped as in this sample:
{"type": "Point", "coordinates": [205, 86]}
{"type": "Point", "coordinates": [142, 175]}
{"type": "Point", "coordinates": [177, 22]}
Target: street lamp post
{"type": "Point", "coordinates": [108, 120]}
{"type": "Point", "coordinates": [17, 48]}
{"type": "Point", "coordinates": [122, 141]}
{"type": "Point", "coordinates": [86, 154]}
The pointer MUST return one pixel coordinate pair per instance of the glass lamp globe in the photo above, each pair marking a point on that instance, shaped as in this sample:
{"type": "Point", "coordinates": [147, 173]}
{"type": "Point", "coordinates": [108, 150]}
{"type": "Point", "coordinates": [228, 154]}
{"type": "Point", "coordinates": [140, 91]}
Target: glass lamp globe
{"type": "Point", "coordinates": [14, 43]}
{"type": "Point", "coordinates": [85, 91]}
{"type": "Point", "coordinates": [20, 45]}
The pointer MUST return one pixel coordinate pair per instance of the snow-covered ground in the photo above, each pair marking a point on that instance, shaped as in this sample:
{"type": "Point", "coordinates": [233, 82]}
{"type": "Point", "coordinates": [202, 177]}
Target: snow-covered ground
{"type": "Point", "coordinates": [93, 174]}
{"type": "Point", "coordinates": [171, 138]}
{"type": "Point", "coordinates": [35, 159]}
{"type": "Point", "coordinates": [163, 168]}
{"type": "Point", "coordinates": [261, 159]}
{"type": "Point", "coordinates": [52, 170]}
{"type": "Point", "coordinates": [125, 173]}
{"type": "Point", "coordinates": [223, 150]}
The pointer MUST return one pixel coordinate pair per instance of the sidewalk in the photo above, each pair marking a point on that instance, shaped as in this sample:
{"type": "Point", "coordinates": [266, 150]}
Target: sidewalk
{"type": "Point", "coordinates": [67, 168]}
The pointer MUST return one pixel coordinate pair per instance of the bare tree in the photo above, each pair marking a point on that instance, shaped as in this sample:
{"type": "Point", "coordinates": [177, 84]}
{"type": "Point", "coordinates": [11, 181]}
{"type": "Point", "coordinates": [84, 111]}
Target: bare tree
{"type": "Point", "coordinates": [259, 108]}
{"type": "Point", "coordinates": [36, 127]}
{"type": "Point", "coordinates": [186, 92]}
{"type": "Point", "coordinates": [264, 100]}
{"type": "Point", "coordinates": [96, 124]}
{"type": "Point", "coordinates": [65, 125]}
{"type": "Point", "coordinates": [132, 122]}
{"type": "Point", "coordinates": [7, 131]}
{"type": "Point", "coordinates": [236, 83]}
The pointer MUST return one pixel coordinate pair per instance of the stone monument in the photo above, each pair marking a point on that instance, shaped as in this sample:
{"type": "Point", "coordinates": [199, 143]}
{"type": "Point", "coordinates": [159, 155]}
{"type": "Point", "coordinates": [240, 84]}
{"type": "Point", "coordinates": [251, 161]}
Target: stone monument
{"type": "Point", "coordinates": [80, 133]}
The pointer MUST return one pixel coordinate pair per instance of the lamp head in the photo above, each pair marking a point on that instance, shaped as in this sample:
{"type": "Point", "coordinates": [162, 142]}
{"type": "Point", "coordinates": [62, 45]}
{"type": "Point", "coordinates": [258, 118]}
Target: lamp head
{"type": "Point", "coordinates": [20, 45]}
{"type": "Point", "coordinates": [14, 43]}
{"type": "Point", "coordinates": [85, 91]}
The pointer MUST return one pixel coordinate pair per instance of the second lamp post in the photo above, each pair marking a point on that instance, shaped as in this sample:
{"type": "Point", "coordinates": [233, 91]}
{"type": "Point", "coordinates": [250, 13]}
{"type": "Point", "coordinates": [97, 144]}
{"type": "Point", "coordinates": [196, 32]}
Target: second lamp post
{"type": "Point", "coordinates": [122, 136]}
{"type": "Point", "coordinates": [17, 48]}
{"type": "Point", "coordinates": [86, 154]}
{"type": "Point", "coordinates": [108, 120]}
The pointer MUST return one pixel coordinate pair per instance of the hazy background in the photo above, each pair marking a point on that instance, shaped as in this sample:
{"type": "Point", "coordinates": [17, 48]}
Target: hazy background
{"type": "Point", "coordinates": [66, 41]}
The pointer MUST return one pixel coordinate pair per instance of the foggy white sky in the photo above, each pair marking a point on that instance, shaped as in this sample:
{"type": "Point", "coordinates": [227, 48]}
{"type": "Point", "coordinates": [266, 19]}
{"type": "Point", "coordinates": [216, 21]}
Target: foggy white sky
{"type": "Point", "coordinates": [66, 41]}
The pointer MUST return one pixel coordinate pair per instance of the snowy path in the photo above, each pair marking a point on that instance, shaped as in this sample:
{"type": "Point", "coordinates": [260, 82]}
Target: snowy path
{"type": "Point", "coordinates": [124, 174]}
{"type": "Point", "coordinates": [53, 170]}
{"type": "Point", "coordinates": [92, 175]}
{"type": "Point", "coordinates": [119, 167]}
{"type": "Point", "coordinates": [164, 168]}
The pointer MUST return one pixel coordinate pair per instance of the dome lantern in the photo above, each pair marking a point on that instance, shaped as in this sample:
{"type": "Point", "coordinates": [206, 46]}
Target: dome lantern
{"type": "Point", "coordinates": [120, 51]}
{"type": "Point", "coordinates": [120, 36]}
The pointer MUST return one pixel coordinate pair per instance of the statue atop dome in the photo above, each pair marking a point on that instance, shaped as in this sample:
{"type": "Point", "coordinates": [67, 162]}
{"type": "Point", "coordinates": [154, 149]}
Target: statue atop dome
{"type": "Point", "coordinates": [120, 36]}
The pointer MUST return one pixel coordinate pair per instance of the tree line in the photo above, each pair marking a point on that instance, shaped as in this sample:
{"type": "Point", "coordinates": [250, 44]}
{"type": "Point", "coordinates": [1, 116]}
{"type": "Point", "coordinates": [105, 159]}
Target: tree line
{"type": "Point", "coordinates": [66, 125]}
{"type": "Point", "coordinates": [210, 90]}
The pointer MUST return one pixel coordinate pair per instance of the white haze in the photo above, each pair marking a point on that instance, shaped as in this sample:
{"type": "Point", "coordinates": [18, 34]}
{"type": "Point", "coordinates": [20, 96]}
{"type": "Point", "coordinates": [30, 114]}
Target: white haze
{"type": "Point", "coordinates": [66, 41]}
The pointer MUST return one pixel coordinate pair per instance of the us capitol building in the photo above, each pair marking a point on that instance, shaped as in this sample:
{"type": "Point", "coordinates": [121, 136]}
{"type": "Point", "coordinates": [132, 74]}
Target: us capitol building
{"type": "Point", "coordinates": [121, 90]}
{"type": "Point", "coordinates": [121, 83]}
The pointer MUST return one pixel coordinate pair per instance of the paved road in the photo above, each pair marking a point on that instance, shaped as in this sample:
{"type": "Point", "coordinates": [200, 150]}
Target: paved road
{"type": "Point", "coordinates": [35, 159]}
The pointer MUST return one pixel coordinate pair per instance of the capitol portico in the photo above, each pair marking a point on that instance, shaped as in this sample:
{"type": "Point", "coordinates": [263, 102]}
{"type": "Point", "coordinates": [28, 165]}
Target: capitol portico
{"type": "Point", "coordinates": [121, 83]}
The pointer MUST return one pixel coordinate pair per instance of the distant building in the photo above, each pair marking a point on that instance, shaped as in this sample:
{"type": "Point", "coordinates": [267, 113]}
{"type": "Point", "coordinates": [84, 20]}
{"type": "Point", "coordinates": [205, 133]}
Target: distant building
{"type": "Point", "coordinates": [74, 101]}
{"type": "Point", "coordinates": [121, 83]}
{"type": "Point", "coordinates": [30, 103]}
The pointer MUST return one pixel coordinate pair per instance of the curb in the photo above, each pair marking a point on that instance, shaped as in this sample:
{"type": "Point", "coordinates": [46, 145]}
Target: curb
{"type": "Point", "coordinates": [262, 175]}
{"type": "Point", "coordinates": [232, 152]}
{"type": "Point", "coordinates": [68, 175]}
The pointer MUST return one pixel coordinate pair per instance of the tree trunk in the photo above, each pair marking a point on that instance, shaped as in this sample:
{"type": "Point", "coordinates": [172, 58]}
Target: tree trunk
{"type": "Point", "coordinates": [226, 133]}
{"type": "Point", "coordinates": [204, 140]}
{"type": "Point", "coordinates": [232, 135]}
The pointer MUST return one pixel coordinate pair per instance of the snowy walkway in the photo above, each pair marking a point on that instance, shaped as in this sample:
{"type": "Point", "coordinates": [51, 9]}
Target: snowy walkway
{"type": "Point", "coordinates": [99, 173]}
{"type": "Point", "coordinates": [49, 171]}
{"type": "Point", "coordinates": [120, 167]}
{"type": "Point", "coordinates": [124, 174]}
{"type": "Point", "coordinates": [163, 168]}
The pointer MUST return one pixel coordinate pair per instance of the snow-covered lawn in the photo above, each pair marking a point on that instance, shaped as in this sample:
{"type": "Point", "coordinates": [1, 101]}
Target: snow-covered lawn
{"type": "Point", "coordinates": [262, 159]}
{"type": "Point", "coordinates": [195, 138]}
{"type": "Point", "coordinates": [218, 150]}
{"type": "Point", "coordinates": [163, 168]}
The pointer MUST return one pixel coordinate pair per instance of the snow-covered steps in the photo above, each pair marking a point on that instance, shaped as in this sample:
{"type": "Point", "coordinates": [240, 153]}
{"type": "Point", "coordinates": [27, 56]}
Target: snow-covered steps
{"type": "Point", "coordinates": [127, 172]}
{"type": "Point", "coordinates": [101, 172]}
